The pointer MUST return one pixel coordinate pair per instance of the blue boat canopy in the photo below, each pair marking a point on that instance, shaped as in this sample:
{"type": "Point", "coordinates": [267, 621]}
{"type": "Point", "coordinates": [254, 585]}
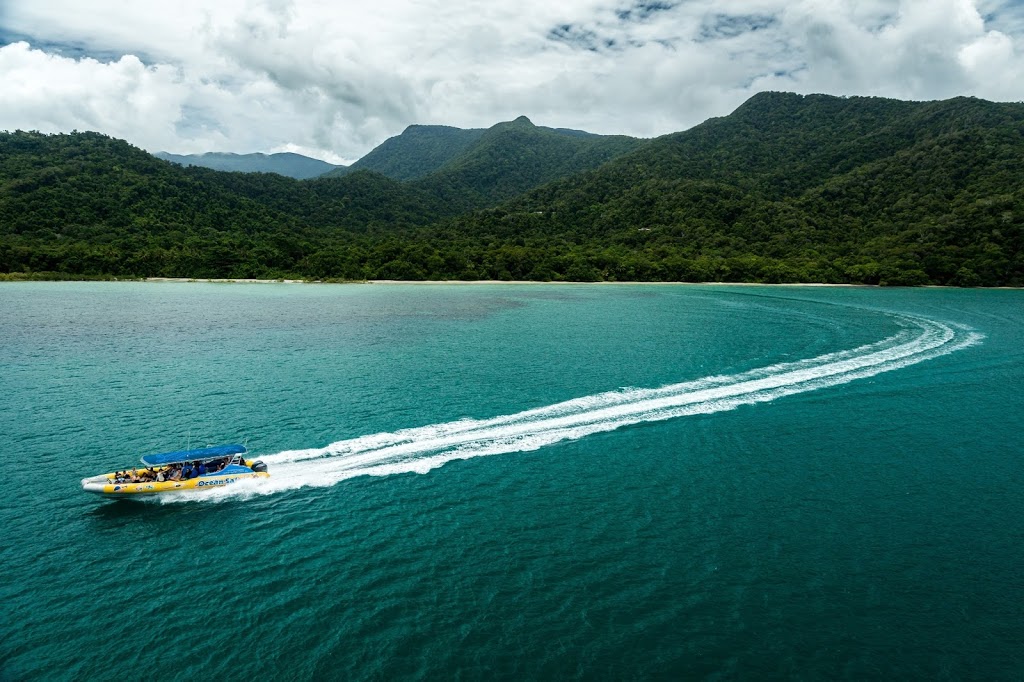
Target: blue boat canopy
{"type": "Point", "coordinates": [189, 455]}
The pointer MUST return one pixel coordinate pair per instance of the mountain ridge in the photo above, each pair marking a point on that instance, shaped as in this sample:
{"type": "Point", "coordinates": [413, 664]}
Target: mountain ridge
{"type": "Point", "coordinates": [288, 164]}
{"type": "Point", "coordinates": [787, 188]}
{"type": "Point", "coordinates": [512, 157]}
{"type": "Point", "coordinates": [417, 151]}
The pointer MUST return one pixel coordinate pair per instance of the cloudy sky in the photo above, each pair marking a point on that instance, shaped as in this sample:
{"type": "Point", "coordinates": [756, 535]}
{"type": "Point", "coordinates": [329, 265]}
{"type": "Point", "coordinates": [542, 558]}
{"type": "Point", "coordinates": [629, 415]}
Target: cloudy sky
{"type": "Point", "coordinates": [333, 79]}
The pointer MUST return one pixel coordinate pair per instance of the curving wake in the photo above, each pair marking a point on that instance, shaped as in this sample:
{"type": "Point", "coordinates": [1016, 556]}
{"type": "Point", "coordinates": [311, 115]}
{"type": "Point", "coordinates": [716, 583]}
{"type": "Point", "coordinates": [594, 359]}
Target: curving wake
{"type": "Point", "coordinates": [424, 448]}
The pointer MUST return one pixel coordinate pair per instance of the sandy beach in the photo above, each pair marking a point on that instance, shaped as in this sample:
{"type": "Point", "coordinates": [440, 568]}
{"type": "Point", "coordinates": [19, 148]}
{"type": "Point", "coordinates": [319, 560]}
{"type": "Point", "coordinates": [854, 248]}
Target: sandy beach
{"type": "Point", "coordinates": [463, 282]}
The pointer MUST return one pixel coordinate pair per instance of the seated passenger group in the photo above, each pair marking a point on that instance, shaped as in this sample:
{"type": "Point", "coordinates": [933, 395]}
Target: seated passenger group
{"type": "Point", "coordinates": [173, 472]}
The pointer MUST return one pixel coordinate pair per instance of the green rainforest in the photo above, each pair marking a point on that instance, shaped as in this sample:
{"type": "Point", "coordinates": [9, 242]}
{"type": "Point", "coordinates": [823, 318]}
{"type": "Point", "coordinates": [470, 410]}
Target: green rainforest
{"type": "Point", "coordinates": [787, 188]}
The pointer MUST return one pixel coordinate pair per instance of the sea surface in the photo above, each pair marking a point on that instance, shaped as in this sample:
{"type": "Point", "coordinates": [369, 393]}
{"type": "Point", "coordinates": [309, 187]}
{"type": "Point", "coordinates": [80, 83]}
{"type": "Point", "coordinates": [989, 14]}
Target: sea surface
{"type": "Point", "coordinates": [516, 482]}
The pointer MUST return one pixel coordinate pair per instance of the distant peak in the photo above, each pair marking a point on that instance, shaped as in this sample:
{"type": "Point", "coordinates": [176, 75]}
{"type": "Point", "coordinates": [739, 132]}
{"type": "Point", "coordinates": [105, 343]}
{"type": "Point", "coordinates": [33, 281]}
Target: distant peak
{"type": "Point", "coordinates": [522, 120]}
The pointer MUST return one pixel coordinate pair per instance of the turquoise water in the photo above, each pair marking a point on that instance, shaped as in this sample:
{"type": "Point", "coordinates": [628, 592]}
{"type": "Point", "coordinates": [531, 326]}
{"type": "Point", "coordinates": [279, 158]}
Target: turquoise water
{"type": "Point", "coordinates": [532, 481]}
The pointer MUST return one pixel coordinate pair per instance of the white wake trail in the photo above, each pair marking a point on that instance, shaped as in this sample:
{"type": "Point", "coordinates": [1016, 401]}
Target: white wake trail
{"type": "Point", "coordinates": [424, 448]}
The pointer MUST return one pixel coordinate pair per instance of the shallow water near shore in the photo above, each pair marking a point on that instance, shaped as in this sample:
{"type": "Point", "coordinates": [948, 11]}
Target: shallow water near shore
{"type": "Point", "coordinates": [558, 481]}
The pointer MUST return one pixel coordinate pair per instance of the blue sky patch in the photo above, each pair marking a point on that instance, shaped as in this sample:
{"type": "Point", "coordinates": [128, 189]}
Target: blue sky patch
{"type": "Point", "coordinates": [642, 11]}
{"type": "Point", "coordinates": [72, 49]}
{"type": "Point", "coordinates": [575, 36]}
{"type": "Point", "coordinates": [721, 26]}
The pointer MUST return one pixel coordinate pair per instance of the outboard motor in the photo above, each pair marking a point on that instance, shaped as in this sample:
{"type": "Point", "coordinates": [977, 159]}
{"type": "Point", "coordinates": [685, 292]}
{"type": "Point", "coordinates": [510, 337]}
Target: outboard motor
{"type": "Point", "coordinates": [259, 467]}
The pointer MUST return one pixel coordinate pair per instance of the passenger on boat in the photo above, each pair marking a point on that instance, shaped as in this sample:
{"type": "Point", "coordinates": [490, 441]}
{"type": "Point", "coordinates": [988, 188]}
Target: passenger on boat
{"type": "Point", "coordinates": [202, 468]}
{"type": "Point", "coordinates": [186, 472]}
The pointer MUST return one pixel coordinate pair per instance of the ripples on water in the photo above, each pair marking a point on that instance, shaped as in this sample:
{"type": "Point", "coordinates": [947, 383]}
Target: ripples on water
{"type": "Point", "coordinates": [785, 490]}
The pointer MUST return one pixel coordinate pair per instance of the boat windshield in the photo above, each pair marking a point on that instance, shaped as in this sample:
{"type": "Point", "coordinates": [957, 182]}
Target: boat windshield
{"type": "Point", "coordinates": [201, 454]}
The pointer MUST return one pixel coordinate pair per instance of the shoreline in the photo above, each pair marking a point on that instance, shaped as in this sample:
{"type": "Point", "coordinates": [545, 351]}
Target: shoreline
{"type": "Point", "coordinates": [466, 282]}
{"type": "Point", "coordinates": [529, 282]}
{"type": "Point", "coordinates": [224, 280]}
{"type": "Point", "coordinates": [470, 282]}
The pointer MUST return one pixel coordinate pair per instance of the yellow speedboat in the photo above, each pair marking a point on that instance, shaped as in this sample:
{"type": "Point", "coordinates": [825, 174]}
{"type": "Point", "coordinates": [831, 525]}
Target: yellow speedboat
{"type": "Point", "coordinates": [181, 471]}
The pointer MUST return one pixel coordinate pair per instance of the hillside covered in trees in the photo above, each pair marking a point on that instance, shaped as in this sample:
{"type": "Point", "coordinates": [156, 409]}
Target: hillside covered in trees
{"type": "Point", "coordinates": [787, 188]}
{"type": "Point", "coordinates": [418, 151]}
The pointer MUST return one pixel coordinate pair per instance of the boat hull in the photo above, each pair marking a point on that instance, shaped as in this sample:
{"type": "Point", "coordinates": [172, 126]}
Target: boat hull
{"type": "Point", "coordinates": [104, 484]}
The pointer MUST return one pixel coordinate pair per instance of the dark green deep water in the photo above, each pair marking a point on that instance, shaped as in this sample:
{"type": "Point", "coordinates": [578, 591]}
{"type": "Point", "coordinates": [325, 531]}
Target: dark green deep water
{"type": "Point", "coordinates": [828, 485]}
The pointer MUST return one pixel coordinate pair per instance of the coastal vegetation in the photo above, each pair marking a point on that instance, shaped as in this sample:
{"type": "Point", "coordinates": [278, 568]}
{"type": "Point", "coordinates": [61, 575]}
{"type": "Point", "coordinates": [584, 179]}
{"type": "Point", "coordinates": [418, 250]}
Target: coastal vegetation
{"type": "Point", "coordinates": [788, 188]}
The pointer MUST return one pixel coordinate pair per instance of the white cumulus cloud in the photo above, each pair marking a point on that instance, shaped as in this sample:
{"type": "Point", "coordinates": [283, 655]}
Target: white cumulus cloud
{"type": "Point", "coordinates": [335, 79]}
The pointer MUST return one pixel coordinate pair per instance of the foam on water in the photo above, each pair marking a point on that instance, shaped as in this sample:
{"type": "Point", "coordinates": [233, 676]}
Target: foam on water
{"type": "Point", "coordinates": [424, 448]}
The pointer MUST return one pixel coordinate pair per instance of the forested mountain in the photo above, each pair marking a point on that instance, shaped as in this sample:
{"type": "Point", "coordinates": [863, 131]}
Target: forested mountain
{"type": "Point", "coordinates": [479, 167]}
{"type": "Point", "coordinates": [780, 144]}
{"type": "Point", "coordinates": [89, 204]}
{"type": "Point", "coordinates": [787, 188]}
{"type": "Point", "coordinates": [803, 188]}
{"type": "Point", "coordinates": [292, 165]}
{"type": "Point", "coordinates": [418, 151]}
{"type": "Point", "coordinates": [511, 158]}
